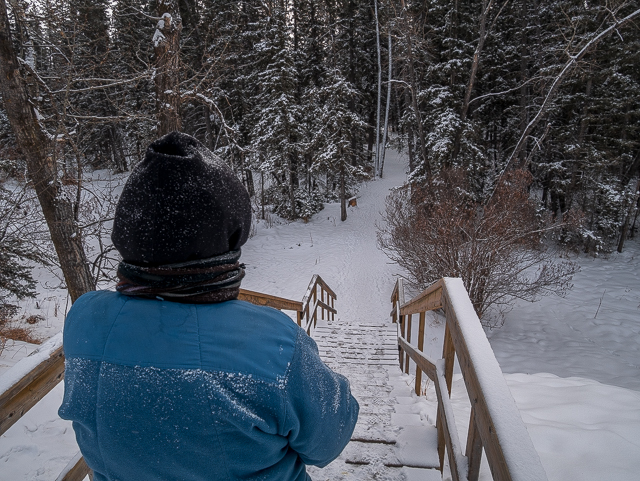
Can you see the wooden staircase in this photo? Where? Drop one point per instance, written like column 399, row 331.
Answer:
column 389, row 442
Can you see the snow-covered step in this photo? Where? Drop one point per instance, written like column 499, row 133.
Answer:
column 389, row 442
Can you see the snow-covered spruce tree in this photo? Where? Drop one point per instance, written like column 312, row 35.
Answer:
column 435, row 59
column 590, row 146
column 18, row 252
column 276, row 135
column 356, row 51
column 331, row 142
column 223, row 86
column 581, row 146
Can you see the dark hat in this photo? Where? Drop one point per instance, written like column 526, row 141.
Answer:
column 181, row 203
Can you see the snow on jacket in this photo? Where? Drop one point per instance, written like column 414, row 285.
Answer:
column 160, row 390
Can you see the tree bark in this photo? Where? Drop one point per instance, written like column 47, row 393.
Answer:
column 414, row 86
column 41, row 168
column 386, row 110
column 464, row 111
column 167, row 76
column 376, row 169
column 343, row 195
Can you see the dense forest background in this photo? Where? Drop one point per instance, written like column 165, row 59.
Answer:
column 301, row 97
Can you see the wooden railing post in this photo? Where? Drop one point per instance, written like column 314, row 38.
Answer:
column 441, row 440
column 474, row 447
column 408, row 338
column 448, row 354
column 418, row 387
column 403, row 327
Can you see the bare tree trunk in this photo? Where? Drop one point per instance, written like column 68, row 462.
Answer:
column 41, row 168
column 410, row 137
column 376, row 169
column 209, row 128
column 386, row 112
column 167, row 76
column 464, row 111
column 262, row 195
column 115, row 140
column 414, row 86
column 524, row 77
column 343, row 195
column 370, row 137
column 292, row 183
column 631, row 214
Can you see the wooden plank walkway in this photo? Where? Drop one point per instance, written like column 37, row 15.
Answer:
column 390, row 442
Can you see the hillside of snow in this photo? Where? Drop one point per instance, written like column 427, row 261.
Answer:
column 573, row 364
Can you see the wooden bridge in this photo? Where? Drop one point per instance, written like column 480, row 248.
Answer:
column 390, row 442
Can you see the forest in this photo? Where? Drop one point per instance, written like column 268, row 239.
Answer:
column 302, row 98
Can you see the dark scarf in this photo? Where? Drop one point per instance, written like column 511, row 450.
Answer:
column 215, row 279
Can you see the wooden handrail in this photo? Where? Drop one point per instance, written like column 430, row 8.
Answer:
column 261, row 299
column 311, row 303
column 31, row 378
column 495, row 424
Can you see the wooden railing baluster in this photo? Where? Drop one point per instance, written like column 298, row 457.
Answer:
column 418, row 387
column 474, row 447
column 407, row 357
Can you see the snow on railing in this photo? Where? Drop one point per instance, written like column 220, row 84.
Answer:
column 33, row 376
column 495, row 424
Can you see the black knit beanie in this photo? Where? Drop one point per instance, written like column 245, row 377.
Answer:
column 181, row 203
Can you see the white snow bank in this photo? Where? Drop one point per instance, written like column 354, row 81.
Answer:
column 583, row 430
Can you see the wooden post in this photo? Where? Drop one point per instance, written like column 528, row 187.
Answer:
column 448, row 354
column 474, row 447
column 441, row 440
column 299, row 317
column 406, row 360
column 333, row 304
column 402, row 329
column 315, row 296
column 418, row 387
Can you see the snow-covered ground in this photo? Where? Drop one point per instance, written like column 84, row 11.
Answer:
column 572, row 364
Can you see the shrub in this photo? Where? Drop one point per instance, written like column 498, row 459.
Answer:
column 498, row 248
column 10, row 330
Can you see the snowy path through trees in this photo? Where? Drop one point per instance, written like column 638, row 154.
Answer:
column 281, row 260
column 390, row 442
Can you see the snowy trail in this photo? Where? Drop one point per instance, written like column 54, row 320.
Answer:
column 391, row 442
column 344, row 254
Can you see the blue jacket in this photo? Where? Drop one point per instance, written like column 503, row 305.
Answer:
column 159, row 390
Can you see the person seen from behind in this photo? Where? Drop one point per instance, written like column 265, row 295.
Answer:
column 171, row 377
